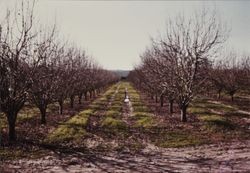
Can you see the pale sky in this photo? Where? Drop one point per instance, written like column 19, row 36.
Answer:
column 115, row 33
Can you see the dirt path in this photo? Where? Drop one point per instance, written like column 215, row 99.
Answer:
column 227, row 157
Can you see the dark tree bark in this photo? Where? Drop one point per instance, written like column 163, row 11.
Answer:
column 11, row 112
column 184, row 113
column 162, row 100
column 152, row 97
column 60, row 106
column 90, row 94
column 80, row 98
column 11, row 116
column 72, row 98
column 86, row 96
column 219, row 94
column 156, row 99
column 232, row 97
column 171, row 103
column 43, row 115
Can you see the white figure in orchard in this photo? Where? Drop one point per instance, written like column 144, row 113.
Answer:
column 126, row 100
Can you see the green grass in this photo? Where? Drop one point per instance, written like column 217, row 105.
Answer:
column 113, row 113
column 201, row 106
column 214, row 115
column 54, row 107
column 141, row 109
column 112, row 116
column 179, row 139
column 26, row 113
column 73, row 129
column 113, row 123
column 16, row 153
column 3, row 121
column 65, row 133
column 217, row 123
column 141, row 113
column 143, row 119
column 115, row 108
column 197, row 110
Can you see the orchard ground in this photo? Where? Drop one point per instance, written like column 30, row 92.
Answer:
column 107, row 135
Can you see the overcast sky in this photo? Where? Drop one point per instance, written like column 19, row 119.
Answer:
column 115, row 33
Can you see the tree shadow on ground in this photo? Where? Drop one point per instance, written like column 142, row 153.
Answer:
column 123, row 161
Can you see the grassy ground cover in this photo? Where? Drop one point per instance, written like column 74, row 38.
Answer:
column 122, row 126
column 75, row 128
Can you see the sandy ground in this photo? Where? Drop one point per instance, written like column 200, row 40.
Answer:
column 224, row 157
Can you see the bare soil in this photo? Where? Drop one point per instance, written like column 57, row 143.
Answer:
column 224, row 157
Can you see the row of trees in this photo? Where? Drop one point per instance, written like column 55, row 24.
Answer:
column 230, row 75
column 180, row 64
column 36, row 67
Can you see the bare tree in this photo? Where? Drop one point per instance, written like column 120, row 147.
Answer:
column 227, row 74
column 181, row 57
column 43, row 86
column 246, row 72
column 15, row 57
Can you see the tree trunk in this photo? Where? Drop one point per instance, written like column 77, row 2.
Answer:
column 11, row 116
column 86, row 96
column 1, row 143
column 60, row 107
column 72, row 101
column 80, row 98
column 171, row 110
column 152, row 97
column 90, row 94
column 156, row 99
column 162, row 100
column 12, row 132
column 43, row 114
column 184, row 114
column 219, row 95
